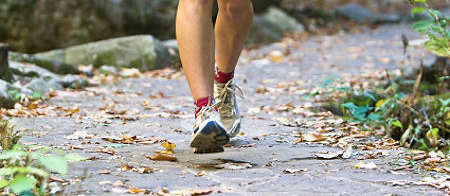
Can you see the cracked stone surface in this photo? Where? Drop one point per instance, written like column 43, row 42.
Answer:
column 255, row 168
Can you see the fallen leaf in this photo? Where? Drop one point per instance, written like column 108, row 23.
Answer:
column 201, row 173
column 104, row 172
column 403, row 167
column 293, row 171
column 136, row 190
column 119, row 183
column 119, row 190
column 169, row 147
column 79, row 135
column 311, row 137
column 347, row 151
column 162, row 157
column 362, row 165
column 329, row 155
column 107, row 150
column 75, row 109
column 130, row 72
column 125, row 167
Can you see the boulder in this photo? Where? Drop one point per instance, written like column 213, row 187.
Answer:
column 356, row 12
column 43, row 85
column 21, row 69
column 55, row 65
column 263, row 31
column 285, row 22
column 59, row 24
column 142, row 51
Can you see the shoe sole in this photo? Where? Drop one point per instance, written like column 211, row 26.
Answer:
column 210, row 139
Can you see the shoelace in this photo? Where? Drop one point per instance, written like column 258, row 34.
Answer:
column 205, row 109
column 224, row 92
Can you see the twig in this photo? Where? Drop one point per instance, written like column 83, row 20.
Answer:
column 422, row 117
column 388, row 76
column 417, row 84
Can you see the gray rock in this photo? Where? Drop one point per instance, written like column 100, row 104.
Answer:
column 263, row 31
column 356, row 12
column 6, row 99
column 388, row 18
column 43, row 85
column 283, row 20
column 142, row 51
column 31, row 70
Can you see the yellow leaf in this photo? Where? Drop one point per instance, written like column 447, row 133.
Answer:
column 136, row 190
column 380, row 103
column 169, row 147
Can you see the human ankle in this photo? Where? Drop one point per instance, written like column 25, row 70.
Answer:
column 222, row 77
column 203, row 102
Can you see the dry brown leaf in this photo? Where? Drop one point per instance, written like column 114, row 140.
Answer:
column 362, row 165
column 162, row 157
column 329, row 155
column 293, row 171
column 136, row 190
column 108, row 150
column 119, row 183
column 125, row 167
column 104, row 172
column 201, row 173
column 75, row 109
column 311, row 137
column 348, row 150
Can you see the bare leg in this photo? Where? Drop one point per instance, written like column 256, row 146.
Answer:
column 195, row 36
column 232, row 25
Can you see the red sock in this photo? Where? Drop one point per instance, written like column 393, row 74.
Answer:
column 203, row 102
column 222, row 77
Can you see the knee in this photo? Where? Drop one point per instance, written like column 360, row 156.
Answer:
column 237, row 9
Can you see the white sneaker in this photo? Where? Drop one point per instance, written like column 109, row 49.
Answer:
column 209, row 133
column 225, row 95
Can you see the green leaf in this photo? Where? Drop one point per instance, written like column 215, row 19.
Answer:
column 358, row 112
column 12, row 154
column 22, row 183
column 406, row 135
column 397, row 123
column 3, row 183
column 7, row 171
column 33, row 170
column 417, row 10
column 438, row 46
column 367, row 94
column 54, row 163
column 74, row 158
column 374, row 116
column 422, row 25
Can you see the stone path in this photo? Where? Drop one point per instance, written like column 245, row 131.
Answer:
column 258, row 161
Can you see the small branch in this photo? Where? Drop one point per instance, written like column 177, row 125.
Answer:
column 417, row 84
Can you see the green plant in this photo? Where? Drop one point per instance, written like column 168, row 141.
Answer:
column 25, row 170
column 402, row 107
column 435, row 27
column 9, row 137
